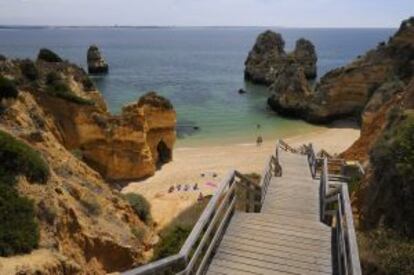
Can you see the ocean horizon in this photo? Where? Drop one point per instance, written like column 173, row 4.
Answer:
column 200, row 69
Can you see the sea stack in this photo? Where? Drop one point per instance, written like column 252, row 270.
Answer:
column 305, row 55
column 96, row 63
column 268, row 58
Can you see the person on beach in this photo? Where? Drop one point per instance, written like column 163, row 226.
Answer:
column 259, row 140
column 200, row 197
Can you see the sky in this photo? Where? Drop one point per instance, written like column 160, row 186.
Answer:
column 282, row 13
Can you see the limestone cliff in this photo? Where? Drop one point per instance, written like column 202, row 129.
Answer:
column 268, row 57
column 85, row 226
column 345, row 92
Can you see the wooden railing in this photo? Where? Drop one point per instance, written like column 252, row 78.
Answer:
column 313, row 161
column 198, row 248
column 336, row 207
column 284, row 146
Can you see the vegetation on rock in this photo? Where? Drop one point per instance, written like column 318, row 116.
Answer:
column 172, row 242
column 62, row 90
column 17, row 158
column 152, row 99
column 7, row 88
column 140, row 205
column 48, row 56
column 392, row 159
column 29, row 69
column 19, row 231
column 385, row 252
column 174, row 235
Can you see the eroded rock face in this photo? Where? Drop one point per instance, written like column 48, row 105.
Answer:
column 125, row 147
column 85, row 226
column 96, row 63
column 264, row 59
column 268, row 57
column 290, row 91
column 305, row 55
column 344, row 92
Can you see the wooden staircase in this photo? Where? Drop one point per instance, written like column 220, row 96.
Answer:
column 297, row 220
column 287, row 236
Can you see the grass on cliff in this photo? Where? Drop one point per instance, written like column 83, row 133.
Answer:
column 392, row 160
column 175, row 234
column 19, row 232
column 62, row 90
column 140, row 205
column 387, row 242
column 17, row 158
column 29, row 69
column 385, row 252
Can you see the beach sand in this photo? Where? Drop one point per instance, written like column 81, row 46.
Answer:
column 215, row 162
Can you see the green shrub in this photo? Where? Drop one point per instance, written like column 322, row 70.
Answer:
column 141, row 206
column 48, row 56
column 88, row 84
column 7, row 88
column 52, row 78
column 63, row 91
column 385, row 252
column 29, row 70
column 175, row 234
column 17, row 158
column 138, row 232
column 19, row 232
column 172, row 242
column 392, row 159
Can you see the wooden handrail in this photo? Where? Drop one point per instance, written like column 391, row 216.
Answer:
column 284, row 146
column 196, row 250
column 347, row 248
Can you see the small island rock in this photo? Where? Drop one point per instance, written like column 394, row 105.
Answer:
column 96, row 63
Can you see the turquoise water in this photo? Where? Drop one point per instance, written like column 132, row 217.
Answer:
column 198, row 69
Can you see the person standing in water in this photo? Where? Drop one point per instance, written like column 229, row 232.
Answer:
column 259, row 140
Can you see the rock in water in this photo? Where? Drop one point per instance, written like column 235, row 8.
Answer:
column 346, row 91
column 268, row 57
column 290, row 91
column 305, row 55
column 265, row 57
column 242, row 91
column 96, row 63
column 48, row 56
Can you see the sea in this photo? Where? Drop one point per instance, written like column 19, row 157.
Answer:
column 200, row 69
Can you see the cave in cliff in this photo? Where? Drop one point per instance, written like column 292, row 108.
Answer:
column 164, row 154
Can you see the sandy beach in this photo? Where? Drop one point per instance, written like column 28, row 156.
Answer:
column 206, row 166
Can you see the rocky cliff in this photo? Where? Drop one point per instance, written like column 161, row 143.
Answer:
column 85, row 227
column 268, row 57
column 383, row 198
column 345, row 92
